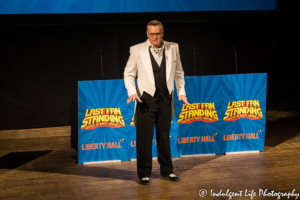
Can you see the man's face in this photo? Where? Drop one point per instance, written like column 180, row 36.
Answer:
column 155, row 35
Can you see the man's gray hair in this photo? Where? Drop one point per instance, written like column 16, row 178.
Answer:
column 155, row 23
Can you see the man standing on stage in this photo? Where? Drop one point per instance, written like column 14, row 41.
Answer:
column 157, row 64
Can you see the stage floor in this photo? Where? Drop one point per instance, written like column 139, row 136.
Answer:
column 39, row 164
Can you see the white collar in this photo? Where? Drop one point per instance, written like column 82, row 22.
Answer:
column 149, row 45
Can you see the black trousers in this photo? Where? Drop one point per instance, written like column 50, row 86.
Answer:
column 153, row 110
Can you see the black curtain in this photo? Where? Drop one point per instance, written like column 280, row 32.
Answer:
column 40, row 67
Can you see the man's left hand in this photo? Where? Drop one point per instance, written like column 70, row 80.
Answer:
column 184, row 99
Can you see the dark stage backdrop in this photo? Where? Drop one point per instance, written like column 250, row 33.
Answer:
column 40, row 65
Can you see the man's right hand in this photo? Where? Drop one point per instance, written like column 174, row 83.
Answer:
column 133, row 98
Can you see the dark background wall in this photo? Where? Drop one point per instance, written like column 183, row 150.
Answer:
column 41, row 61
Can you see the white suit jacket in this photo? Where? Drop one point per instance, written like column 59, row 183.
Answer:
column 139, row 63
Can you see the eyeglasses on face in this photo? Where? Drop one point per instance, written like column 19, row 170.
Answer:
column 155, row 34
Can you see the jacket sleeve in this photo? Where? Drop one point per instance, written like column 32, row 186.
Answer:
column 130, row 74
column 179, row 75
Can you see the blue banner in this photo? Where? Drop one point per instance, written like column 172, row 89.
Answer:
column 227, row 114
column 243, row 112
column 103, row 114
column 129, row 6
column 199, row 125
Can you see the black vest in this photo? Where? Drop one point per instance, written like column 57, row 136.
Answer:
column 160, row 76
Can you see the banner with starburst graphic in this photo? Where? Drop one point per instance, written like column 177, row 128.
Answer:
column 227, row 114
column 103, row 121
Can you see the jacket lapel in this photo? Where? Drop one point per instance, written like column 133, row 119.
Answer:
column 169, row 60
column 145, row 56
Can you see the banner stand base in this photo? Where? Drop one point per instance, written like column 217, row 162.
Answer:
column 241, row 152
column 197, row 155
column 134, row 159
column 101, row 162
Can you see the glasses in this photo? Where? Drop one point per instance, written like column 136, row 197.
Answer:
column 155, row 34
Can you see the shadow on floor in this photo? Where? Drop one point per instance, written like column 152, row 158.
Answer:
column 16, row 159
column 63, row 163
column 281, row 130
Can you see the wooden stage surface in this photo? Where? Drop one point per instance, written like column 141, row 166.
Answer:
column 39, row 164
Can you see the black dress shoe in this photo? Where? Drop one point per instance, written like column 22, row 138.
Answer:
column 172, row 177
column 145, row 180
